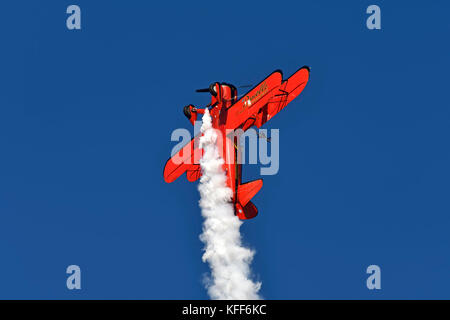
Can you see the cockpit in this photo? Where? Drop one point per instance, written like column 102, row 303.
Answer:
column 222, row 95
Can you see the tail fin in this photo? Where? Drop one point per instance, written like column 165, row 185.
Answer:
column 249, row 211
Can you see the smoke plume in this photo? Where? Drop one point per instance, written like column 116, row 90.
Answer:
column 229, row 261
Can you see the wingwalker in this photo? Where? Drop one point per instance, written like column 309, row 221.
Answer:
column 229, row 114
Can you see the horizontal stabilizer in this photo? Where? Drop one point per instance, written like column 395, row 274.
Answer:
column 246, row 191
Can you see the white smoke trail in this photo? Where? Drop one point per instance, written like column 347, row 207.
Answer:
column 228, row 259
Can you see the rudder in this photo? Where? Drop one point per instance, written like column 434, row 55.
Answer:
column 249, row 211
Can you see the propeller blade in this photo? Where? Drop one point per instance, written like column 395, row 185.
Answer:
column 202, row 90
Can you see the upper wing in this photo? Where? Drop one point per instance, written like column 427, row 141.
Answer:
column 286, row 92
column 248, row 106
column 186, row 159
column 266, row 99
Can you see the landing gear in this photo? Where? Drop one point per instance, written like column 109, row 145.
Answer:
column 187, row 111
column 191, row 113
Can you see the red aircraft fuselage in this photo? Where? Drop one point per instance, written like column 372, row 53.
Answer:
column 223, row 96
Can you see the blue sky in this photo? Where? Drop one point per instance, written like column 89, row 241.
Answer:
column 85, row 124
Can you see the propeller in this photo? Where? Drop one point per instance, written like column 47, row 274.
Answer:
column 211, row 88
column 202, row 90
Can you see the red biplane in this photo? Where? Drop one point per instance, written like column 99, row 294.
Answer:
column 255, row 108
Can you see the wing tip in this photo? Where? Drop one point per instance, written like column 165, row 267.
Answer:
column 279, row 71
column 166, row 174
column 306, row 67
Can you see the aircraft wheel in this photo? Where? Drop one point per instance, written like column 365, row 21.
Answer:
column 187, row 111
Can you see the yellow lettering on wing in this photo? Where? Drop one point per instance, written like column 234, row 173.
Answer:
column 249, row 100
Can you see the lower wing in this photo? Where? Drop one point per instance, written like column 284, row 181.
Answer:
column 185, row 160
